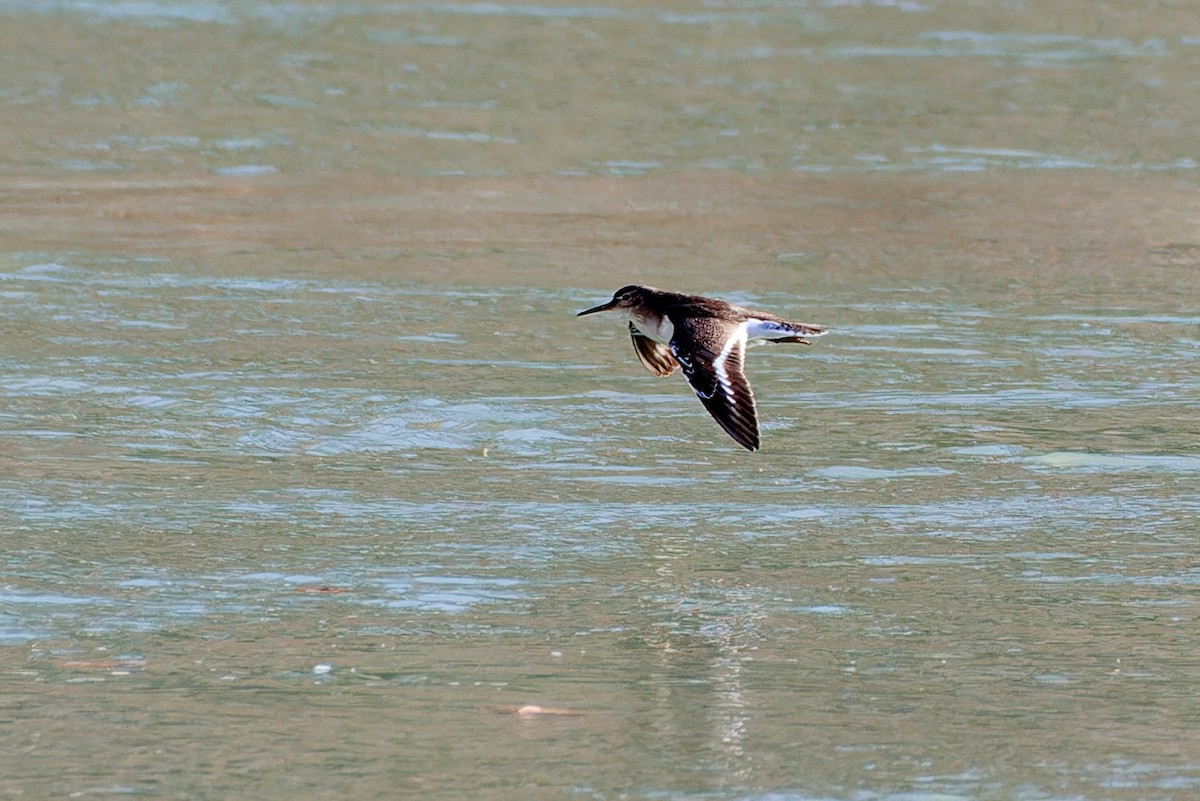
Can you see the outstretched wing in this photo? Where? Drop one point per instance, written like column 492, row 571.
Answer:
column 655, row 355
column 711, row 352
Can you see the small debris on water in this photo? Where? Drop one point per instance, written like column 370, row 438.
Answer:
column 531, row 710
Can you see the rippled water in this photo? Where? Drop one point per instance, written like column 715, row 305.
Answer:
column 315, row 487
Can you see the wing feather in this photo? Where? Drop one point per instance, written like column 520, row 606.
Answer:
column 654, row 355
column 717, row 375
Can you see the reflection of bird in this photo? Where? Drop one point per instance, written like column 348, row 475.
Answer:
column 708, row 339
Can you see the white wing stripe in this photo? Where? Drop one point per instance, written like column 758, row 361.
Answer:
column 736, row 339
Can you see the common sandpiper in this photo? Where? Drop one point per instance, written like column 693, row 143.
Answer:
column 708, row 338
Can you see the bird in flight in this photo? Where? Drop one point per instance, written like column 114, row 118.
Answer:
column 707, row 338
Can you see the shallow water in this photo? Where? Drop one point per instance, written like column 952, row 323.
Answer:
column 314, row 485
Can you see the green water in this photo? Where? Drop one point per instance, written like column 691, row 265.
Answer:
column 312, row 480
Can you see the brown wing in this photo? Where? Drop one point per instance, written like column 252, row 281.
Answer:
column 716, row 375
column 656, row 356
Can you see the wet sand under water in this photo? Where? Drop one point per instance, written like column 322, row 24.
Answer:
column 687, row 229
column 314, row 487
column 264, row 546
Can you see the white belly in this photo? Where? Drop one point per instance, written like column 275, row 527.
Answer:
column 660, row 329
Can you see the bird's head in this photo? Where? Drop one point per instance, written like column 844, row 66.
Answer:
column 627, row 297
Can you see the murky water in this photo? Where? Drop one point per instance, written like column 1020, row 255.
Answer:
column 315, row 487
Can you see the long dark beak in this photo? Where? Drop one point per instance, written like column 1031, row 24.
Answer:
column 600, row 308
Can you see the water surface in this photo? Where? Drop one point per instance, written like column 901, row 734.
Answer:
column 313, row 482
